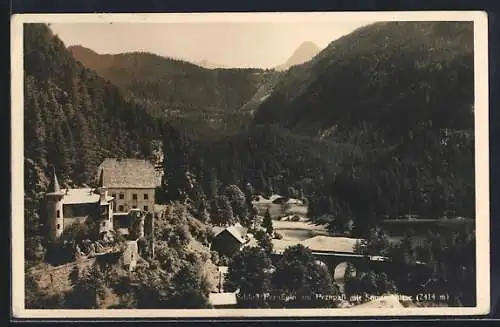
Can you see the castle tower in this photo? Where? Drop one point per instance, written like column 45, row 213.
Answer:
column 54, row 199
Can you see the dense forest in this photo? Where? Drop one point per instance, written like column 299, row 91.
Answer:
column 425, row 175
column 400, row 96
column 412, row 144
column 73, row 120
column 73, row 113
column 396, row 134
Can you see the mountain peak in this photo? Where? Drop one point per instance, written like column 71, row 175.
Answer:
column 307, row 45
column 305, row 51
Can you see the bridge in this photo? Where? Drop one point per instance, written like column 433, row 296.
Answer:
column 333, row 260
column 334, row 251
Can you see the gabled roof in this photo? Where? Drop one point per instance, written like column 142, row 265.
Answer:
column 217, row 230
column 236, row 227
column 128, row 173
column 280, row 246
column 237, row 231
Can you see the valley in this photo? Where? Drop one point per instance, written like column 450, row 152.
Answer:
column 265, row 180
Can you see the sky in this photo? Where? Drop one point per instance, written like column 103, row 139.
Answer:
column 231, row 44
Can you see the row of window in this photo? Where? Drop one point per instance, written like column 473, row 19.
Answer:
column 121, row 196
column 121, row 208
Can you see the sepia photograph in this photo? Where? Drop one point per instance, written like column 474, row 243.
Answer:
column 250, row 165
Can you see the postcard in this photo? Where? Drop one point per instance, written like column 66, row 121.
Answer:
column 250, row 165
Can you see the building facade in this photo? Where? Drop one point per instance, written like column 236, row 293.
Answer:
column 127, row 199
column 131, row 182
column 229, row 241
column 66, row 207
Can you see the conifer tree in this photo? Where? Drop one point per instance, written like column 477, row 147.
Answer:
column 267, row 223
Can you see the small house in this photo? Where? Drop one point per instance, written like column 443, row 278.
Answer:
column 228, row 241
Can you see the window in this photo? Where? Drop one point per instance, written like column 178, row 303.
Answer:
column 134, row 196
column 145, row 208
column 120, row 208
column 103, row 224
column 58, row 213
column 58, row 226
column 146, row 196
column 122, row 196
column 134, row 207
column 113, row 195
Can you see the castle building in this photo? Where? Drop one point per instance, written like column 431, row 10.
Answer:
column 131, row 182
column 66, row 207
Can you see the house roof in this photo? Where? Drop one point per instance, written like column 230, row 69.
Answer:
column 217, row 230
column 216, row 299
column 81, row 196
column 280, row 246
column 236, row 230
column 330, row 244
column 128, row 173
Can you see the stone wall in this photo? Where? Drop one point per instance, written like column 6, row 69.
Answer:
column 57, row 278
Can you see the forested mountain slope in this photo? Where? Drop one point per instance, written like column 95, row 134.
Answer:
column 73, row 117
column 178, row 85
column 390, row 75
column 196, row 96
column 389, row 111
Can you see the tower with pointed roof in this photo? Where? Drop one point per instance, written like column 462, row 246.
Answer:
column 54, row 198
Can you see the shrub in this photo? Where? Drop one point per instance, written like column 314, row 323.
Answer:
column 215, row 257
